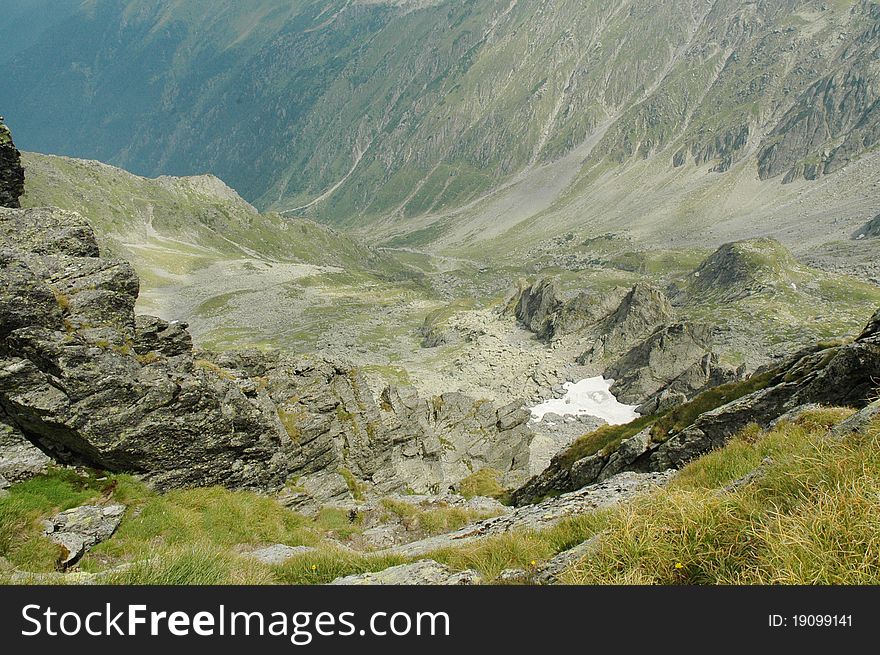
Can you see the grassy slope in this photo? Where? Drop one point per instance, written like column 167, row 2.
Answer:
column 207, row 257
column 811, row 518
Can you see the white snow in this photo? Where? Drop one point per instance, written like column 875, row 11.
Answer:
column 591, row 397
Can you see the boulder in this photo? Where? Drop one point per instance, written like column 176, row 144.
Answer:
column 78, row 529
column 277, row 554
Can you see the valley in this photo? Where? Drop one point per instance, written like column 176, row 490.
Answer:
column 432, row 292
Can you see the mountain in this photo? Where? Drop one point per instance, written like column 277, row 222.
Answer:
column 549, row 114
column 207, row 257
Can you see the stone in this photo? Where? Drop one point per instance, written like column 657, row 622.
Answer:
column 423, row 572
column 277, row 554
column 20, row 460
column 78, row 529
column 11, row 171
column 858, row 422
column 549, row 572
column 639, row 314
column 750, row 477
column 674, row 362
column 514, row 576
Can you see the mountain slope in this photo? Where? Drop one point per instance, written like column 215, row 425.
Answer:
column 348, row 110
column 207, row 257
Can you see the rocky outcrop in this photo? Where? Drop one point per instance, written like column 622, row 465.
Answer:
column 591, row 498
column 671, row 366
column 871, row 230
column 11, row 171
column 88, row 382
column 741, row 269
column 76, row 379
column 642, row 311
column 535, row 306
column 78, row 529
column 725, row 148
column 438, row 442
column 423, row 572
column 551, row 313
column 844, row 375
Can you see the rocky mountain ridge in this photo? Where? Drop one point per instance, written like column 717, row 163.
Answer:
column 411, row 110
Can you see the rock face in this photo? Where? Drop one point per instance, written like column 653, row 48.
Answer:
column 20, row 460
column 76, row 378
column 673, row 364
column 544, row 309
column 90, row 383
column 843, row 375
column 642, row 310
column 871, row 230
column 11, row 171
column 536, row 306
column 77, row 530
column 834, row 120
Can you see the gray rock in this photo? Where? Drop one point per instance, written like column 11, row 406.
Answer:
column 78, row 529
column 536, row 305
column 424, row 572
column 628, row 452
column 549, row 572
column 750, row 477
column 11, row 171
column 639, row 314
column 277, row 554
column 515, row 576
column 858, row 422
column 674, row 362
column 20, row 460
column 586, row 471
column 617, row 490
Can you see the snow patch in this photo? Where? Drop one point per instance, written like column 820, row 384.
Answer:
column 590, row 397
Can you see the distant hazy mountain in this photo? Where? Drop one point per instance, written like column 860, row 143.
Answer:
column 348, row 110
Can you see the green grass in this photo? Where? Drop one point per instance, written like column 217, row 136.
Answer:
column 434, row 520
column 485, row 482
column 604, row 440
column 354, row 486
column 684, row 415
column 21, row 535
column 812, row 519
